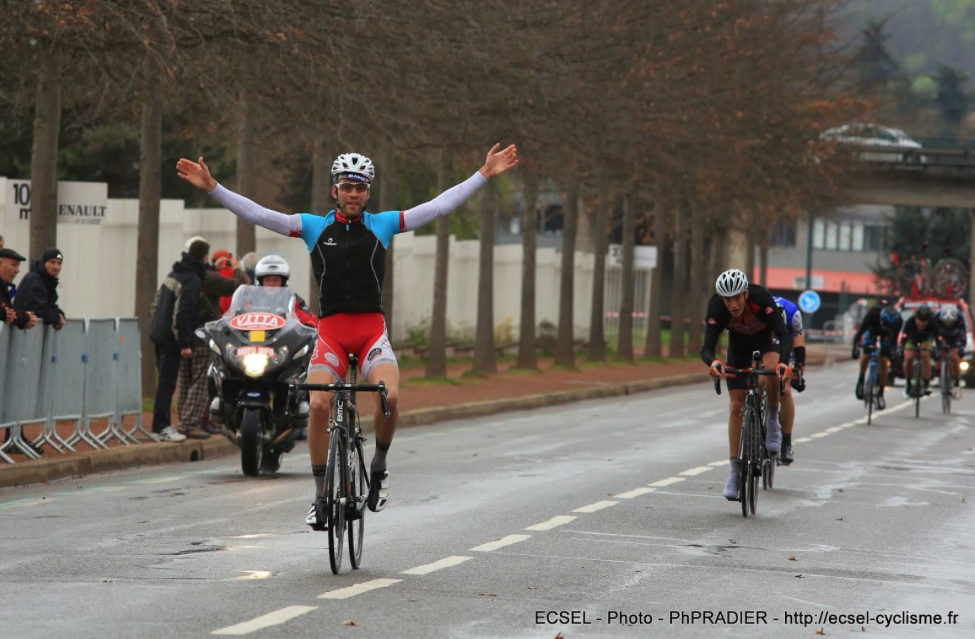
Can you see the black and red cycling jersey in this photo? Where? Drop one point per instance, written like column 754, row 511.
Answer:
column 761, row 314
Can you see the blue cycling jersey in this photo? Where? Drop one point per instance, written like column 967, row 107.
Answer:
column 793, row 318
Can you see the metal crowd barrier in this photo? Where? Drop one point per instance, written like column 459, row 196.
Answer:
column 88, row 370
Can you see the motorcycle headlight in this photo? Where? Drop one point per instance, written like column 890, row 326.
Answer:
column 255, row 364
column 965, row 366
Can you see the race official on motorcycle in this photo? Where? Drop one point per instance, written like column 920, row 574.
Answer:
column 274, row 271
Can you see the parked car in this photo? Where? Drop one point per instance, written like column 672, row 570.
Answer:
column 902, row 148
column 907, row 308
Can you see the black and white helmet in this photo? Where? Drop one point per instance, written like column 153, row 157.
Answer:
column 731, row 283
column 272, row 265
column 353, row 166
column 948, row 315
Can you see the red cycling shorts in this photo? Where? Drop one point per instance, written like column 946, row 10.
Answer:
column 360, row 334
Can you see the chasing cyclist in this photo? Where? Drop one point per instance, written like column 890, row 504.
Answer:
column 348, row 255
column 882, row 324
column 919, row 331
column 797, row 362
column 752, row 319
column 951, row 341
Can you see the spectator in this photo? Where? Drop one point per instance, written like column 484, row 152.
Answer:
column 173, row 321
column 12, row 288
column 250, row 263
column 9, row 267
column 223, row 265
column 39, row 289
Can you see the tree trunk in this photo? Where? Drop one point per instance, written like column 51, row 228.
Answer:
column 698, row 264
column 484, row 356
column 564, row 351
column 44, row 154
column 147, row 247
column 971, row 262
column 321, row 200
column 527, row 357
column 625, row 348
column 437, row 357
column 247, row 176
column 387, row 199
column 679, row 284
column 599, row 241
column 651, row 347
column 750, row 254
column 763, row 259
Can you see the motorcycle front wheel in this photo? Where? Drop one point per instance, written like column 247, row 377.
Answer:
column 251, row 442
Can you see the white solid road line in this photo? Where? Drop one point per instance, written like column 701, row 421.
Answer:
column 695, row 471
column 437, row 565
column 599, row 505
column 634, row 493
column 666, row 482
column 265, row 621
column 554, row 522
column 500, row 543
column 358, row 589
column 722, row 462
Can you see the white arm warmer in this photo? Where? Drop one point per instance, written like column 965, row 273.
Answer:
column 444, row 203
column 280, row 223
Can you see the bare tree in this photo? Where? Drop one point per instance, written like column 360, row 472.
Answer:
column 150, row 188
column 44, row 154
column 651, row 346
column 484, row 356
column 387, row 202
column 321, row 196
column 564, row 350
column 698, row 264
column 527, row 357
column 437, row 357
column 599, row 241
column 625, row 348
column 678, row 283
column 247, row 174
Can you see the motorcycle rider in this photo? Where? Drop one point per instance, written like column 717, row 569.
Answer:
column 274, row 271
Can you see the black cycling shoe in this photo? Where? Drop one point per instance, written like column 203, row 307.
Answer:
column 316, row 515
column 378, row 491
column 859, row 389
column 785, row 457
column 881, row 402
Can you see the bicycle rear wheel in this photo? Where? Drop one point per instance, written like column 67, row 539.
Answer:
column 357, row 508
column 335, row 492
column 749, row 439
column 868, row 397
column 918, row 388
column 946, row 389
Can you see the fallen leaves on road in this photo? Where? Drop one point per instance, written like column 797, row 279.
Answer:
column 559, row 636
column 792, row 558
column 350, row 622
column 799, row 576
column 820, row 632
column 485, row 594
column 840, row 518
column 108, row 581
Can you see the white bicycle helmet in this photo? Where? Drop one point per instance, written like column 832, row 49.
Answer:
column 731, row 283
column 353, row 166
column 949, row 315
column 272, row 265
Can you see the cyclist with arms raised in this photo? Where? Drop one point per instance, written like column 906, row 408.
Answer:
column 797, row 362
column 882, row 324
column 951, row 340
column 348, row 250
column 752, row 319
column 918, row 331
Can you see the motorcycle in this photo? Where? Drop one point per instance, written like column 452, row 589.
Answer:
column 259, row 348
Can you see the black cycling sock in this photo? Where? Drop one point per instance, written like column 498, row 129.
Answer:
column 786, row 439
column 379, row 459
column 319, row 471
column 860, row 378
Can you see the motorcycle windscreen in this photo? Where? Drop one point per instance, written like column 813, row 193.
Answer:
column 259, row 309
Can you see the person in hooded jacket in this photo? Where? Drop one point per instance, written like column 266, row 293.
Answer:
column 171, row 331
column 38, row 291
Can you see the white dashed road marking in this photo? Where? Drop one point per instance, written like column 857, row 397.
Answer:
column 666, row 482
column 634, row 493
column 266, row 621
column 695, row 471
column 437, row 565
column 358, row 589
column 554, row 522
column 599, row 505
column 501, row 543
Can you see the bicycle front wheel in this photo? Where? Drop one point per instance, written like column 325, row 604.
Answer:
column 945, row 387
column 869, row 399
column 335, row 494
column 358, row 492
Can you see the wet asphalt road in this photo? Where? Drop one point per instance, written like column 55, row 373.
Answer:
column 528, row 525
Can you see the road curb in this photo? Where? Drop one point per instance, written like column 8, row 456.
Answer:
column 154, row 454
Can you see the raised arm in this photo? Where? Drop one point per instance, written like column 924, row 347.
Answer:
column 198, row 174
column 497, row 162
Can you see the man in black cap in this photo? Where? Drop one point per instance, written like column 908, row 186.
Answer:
column 9, row 267
column 171, row 331
column 38, row 292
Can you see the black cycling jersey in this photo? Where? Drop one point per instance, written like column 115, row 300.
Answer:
column 761, row 314
column 953, row 335
column 915, row 335
column 878, row 328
